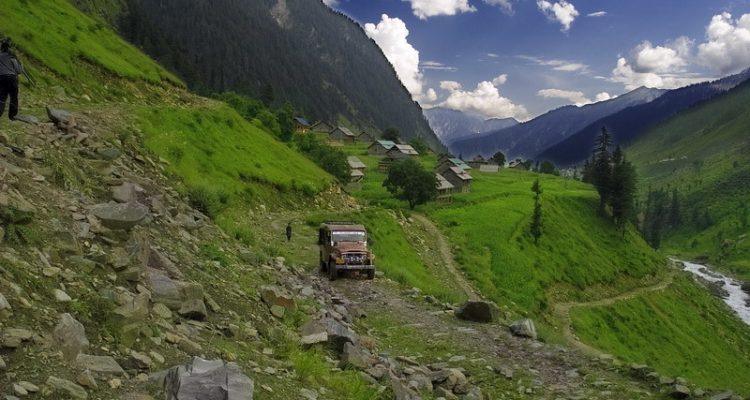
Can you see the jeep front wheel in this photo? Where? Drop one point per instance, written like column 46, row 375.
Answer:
column 371, row 274
column 333, row 273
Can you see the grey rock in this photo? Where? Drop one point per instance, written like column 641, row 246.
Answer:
column 475, row 393
column 161, row 311
column 338, row 334
column 722, row 396
column 61, row 296
column 313, row 332
column 680, row 392
column 477, row 311
column 66, row 387
column 355, row 356
column 86, row 379
column 103, row 365
column 61, row 118
column 120, row 216
column 140, row 361
column 13, row 337
column 135, row 309
column 163, row 289
column 207, row 380
column 276, row 296
column 125, row 193
column 194, row 309
column 524, row 328
column 400, row 390
column 29, row 119
column 4, row 305
column 70, row 336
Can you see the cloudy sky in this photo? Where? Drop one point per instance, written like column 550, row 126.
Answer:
column 521, row 58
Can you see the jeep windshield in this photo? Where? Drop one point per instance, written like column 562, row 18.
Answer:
column 349, row 236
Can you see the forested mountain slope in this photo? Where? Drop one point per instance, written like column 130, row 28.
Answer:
column 296, row 50
column 704, row 155
column 630, row 123
column 532, row 137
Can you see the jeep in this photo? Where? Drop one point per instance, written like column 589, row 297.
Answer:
column 343, row 247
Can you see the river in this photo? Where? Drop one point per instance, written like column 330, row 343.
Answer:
column 737, row 299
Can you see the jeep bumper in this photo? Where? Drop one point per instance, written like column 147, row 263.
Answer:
column 348, row 267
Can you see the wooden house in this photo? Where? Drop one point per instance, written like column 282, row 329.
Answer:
column 444, row 188
column 342, row 135
column 489, row 168
column 357, row 168
column 365, row 137
column 517, row 164
column 444, row 162
column 380, row 147
column 477, row 162
column 321, row 127
column 385, row 164
column 301, row 125
column 401, row 151
column 460, row 179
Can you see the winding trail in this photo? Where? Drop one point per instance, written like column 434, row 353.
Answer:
column 561, row 311
column 446, row 256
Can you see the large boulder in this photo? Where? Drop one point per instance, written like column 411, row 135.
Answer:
column 61, row 118
column 202, row 379
column 477, row 311
column 15, row 209
column 680, row 392
column 524, row 328
column 313, row 332
column 70, row 336
column 66, row 388
column 276, row 296
column 120, row 216
column 103, row 365
column 355, row 356
column 163, row 289
column 338, row 334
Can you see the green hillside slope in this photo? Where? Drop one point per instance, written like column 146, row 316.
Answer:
column 704, row 153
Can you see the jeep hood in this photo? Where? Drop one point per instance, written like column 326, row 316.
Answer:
column 346, row 247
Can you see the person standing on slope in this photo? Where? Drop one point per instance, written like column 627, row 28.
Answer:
column 10, row 68
column 289, row 232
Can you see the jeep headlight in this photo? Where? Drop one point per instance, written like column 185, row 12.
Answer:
column 340, row 260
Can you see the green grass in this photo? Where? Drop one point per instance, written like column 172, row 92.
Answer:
column 705, row 154
column 580, row 255
column 395, row 255
column 226, row 163
column 682, row 331
column 63, row 39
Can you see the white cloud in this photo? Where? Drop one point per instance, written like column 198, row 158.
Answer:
column 727, row 48
column 670, row 58
column 558, row 65
column 603, row 96
column 391, row 35
column 493, row 55
column 505, row 5
column 450, row 85
column 574, row 97
column 331, row 3
column 485, row 100
column 597, row 14
column 561, row 11
column 632, row 79
column 500, row 80
column 424, row 9
column 437, row 65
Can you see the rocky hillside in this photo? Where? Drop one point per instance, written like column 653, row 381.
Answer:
column 295, row 50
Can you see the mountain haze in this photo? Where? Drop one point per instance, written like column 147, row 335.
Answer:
column 318, row 59
column 450, row 125
column 530, row 138
column 630, row 123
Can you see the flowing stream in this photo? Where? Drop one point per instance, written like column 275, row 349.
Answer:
column 731, row 289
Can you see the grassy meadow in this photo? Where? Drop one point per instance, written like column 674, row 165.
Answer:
column 683, row 331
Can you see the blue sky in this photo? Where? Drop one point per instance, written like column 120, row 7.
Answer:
column 521, row 58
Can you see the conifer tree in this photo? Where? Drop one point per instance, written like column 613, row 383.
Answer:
column 602, row 169
column 622, row 188
column 536, row 218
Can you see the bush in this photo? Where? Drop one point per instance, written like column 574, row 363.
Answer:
column 205, row 201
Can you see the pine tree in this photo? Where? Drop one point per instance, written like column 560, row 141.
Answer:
column 622, row 188
column 536, row 218
column 602, row 169
column 675, row 213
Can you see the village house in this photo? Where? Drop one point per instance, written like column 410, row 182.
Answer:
column 321, row 127
column 459, row 178
column 301, row 125
column 489, row 168
column 444, row 188
column 380, row 147
column 342, row 135
column 357, row 168
column 401, row 151
column 444, row 162
column 385, row 164
column 365, row 137
column 477, row 162
column 517, row 164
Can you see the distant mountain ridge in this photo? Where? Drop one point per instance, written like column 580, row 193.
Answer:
column 315, row 57
column 532, row 137
column 450, row 125
column 628, row 124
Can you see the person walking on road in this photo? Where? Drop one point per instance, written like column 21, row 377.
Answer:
column 10, row 68
column 289, row 232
